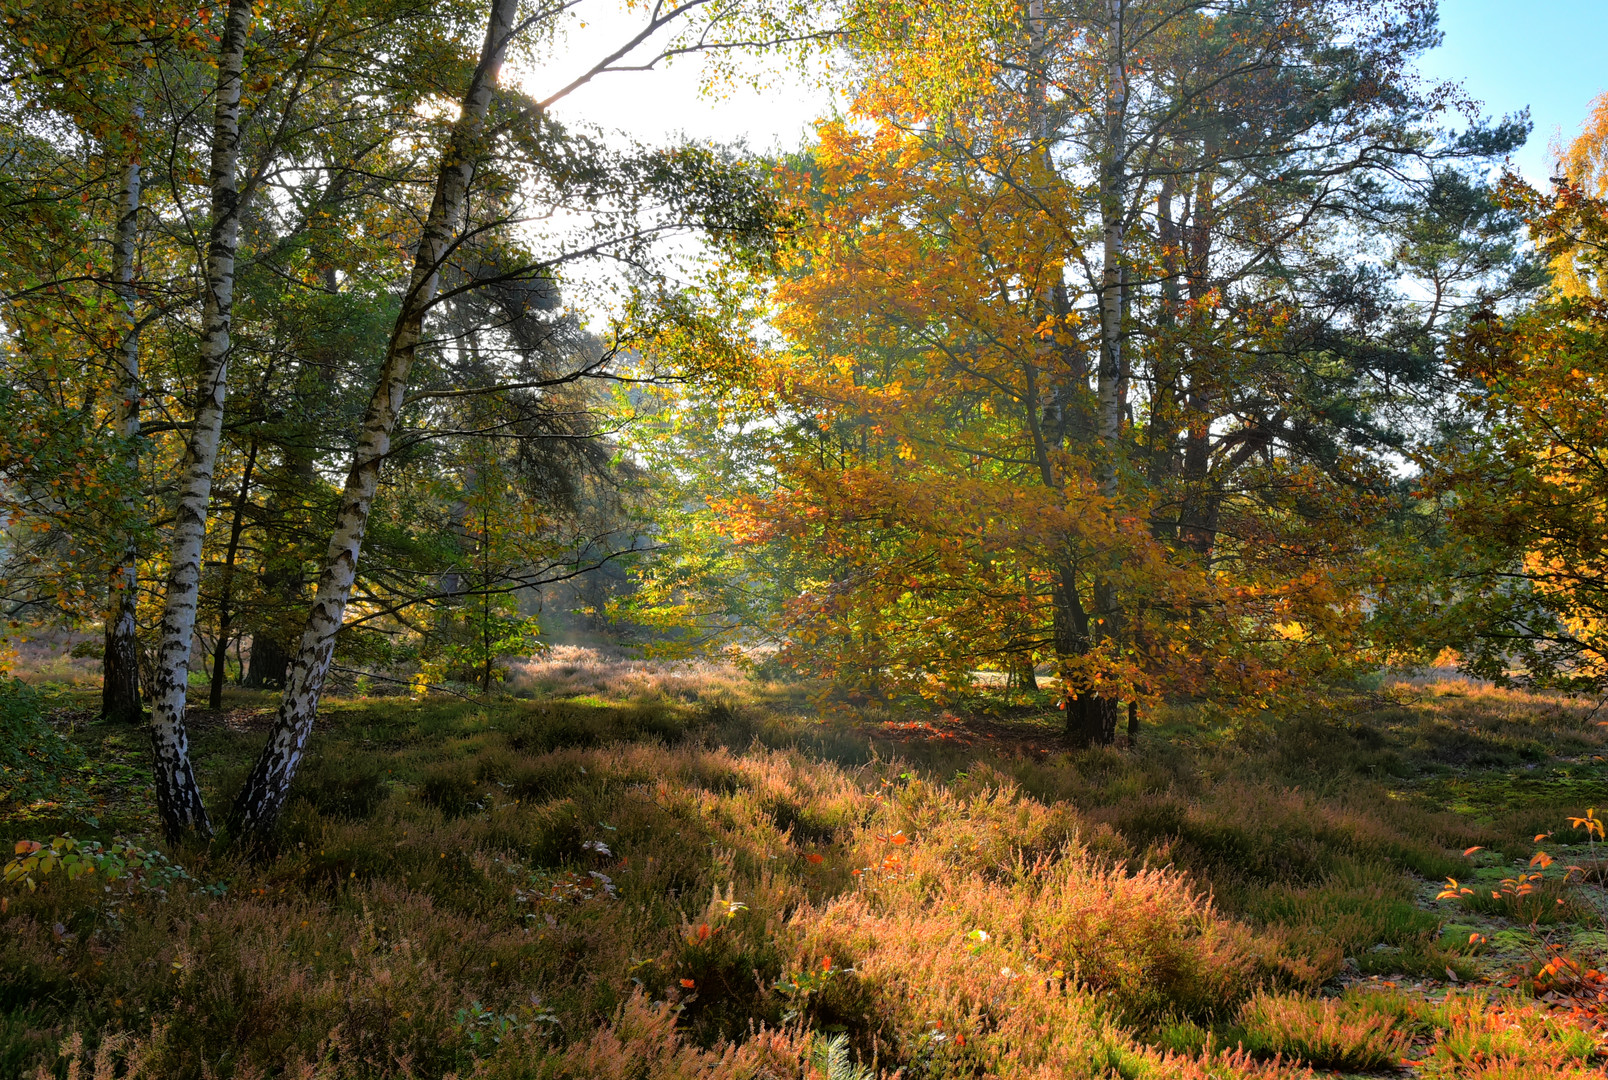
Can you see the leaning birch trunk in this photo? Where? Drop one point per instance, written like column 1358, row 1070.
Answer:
column 178, row 799
column 120, row 661
column 258, row 806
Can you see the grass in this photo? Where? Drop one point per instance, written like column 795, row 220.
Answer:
column 640, row 873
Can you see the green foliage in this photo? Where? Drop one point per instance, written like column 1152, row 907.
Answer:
column 139, row 867
column 36, row 761
column 831, row 1060
column 1519, row 586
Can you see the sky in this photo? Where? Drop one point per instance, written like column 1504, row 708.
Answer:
column 656, row 105
column 1549, row 55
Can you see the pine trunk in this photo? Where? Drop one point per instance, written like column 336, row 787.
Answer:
column 178, row 798
column 263, row 797
column 120, row 660
column 268, row 663
column 1091, row 719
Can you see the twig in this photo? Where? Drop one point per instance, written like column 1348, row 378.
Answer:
column 404, row 682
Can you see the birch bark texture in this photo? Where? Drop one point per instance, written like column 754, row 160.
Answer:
column 257, row 808
column 120, row 659
column 178, row 798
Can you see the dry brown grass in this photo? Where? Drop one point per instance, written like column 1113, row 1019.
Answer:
column 576, row 670
column 45, row 656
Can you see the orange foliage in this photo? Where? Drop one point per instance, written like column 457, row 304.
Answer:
column 933, row 522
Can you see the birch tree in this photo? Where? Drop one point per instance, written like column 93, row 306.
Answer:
column 258, row 805
column 84, row 76
column 178, row 796
column 259, row 802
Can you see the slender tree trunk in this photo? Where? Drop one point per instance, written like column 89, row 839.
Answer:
column 263, row 797
column 1113, row 216
column 178, row 798
column 120, row 660
column 220, row 651
column 284, row 579
column 485, row 599
column 1091, row 718
column 1160, row 431
column 1197, row 517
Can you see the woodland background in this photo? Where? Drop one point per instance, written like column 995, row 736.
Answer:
column 1095, row 418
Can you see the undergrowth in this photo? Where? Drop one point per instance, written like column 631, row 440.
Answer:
column 729, row 887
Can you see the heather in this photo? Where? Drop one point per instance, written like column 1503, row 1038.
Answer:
column 746, row 879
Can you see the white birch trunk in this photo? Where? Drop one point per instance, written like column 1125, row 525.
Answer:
column 120, row 660
column 177, row 795
column 261, row 800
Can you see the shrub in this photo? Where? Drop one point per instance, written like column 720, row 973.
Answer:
column 1491, row 1039
column 117, row 1056
column 346, row 786
column 1326, row 1033
column 34, row 758
column 448, row 787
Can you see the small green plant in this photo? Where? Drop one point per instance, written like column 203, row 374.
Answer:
column 799, row 987
column 831, row 1060
column 142, row 868
column 485, row 1027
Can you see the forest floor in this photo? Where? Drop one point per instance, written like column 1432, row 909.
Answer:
column 645, row 871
